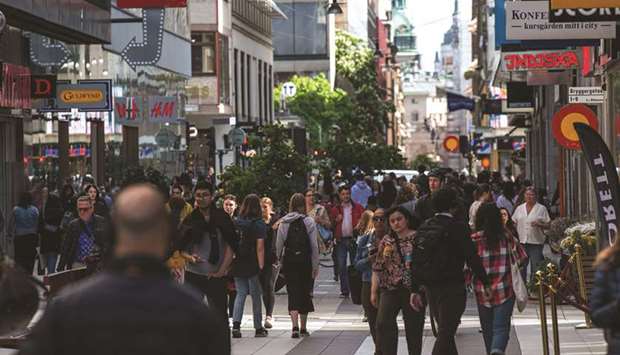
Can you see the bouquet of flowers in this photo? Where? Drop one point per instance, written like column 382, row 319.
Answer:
column 584, row 234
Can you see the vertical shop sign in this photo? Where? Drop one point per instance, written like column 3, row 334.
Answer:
column 605, row 180
column 14, row 86
column 128, row 110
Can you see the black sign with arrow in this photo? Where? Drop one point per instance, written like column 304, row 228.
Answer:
column 45, row 53
column 147, row 52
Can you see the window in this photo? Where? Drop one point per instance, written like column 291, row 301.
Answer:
column 305, row 30
column 242, row 88
column 249, row 88
column 415, row 116
column 203, row 53
column 224, row 70
column 260, row 92
column 236, row 83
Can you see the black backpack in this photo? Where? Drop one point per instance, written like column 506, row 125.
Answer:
column 428, row 259
column 247, row 242
column 297, row 245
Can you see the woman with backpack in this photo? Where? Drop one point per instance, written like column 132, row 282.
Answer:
column 298, row 251
column 605, row 299
column 497, row 248
column 249, row 261
column 391, row 284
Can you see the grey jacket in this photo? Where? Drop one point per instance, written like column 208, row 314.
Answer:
column 313, row 234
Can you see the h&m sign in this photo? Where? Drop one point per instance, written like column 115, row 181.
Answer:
column 155, row 109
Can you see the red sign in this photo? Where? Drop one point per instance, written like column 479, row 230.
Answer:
column 540, row 60
column 562, row 124
column 15, row 86
column 451, row 144
column 43, row 86
column 146, row 4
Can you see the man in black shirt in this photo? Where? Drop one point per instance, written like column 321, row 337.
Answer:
column 445, row 288
column 424, row 207
column 134, row 307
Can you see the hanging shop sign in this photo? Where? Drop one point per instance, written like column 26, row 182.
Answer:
column 14, row 86
column 563, row 121
column 529, row 20
column 451, row 144
column 147, row 52
column 605, row 181
column 585, row 15
column 48, row 53
column 539, row 60
column 237, row 136
column 163, row 109
column 43, row 86
column 144, row 4
column 128, row 110
column 132, row 110
column 586, row 95
column 583, row 4
column 85, row 96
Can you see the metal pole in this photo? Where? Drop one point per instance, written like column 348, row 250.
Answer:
column 582, row 283
column 543, row 312
column 331, row 28
column 554, row 311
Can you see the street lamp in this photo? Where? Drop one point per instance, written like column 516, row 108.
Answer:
column 334, row 8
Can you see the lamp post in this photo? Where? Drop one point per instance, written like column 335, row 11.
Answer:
column 333, row 9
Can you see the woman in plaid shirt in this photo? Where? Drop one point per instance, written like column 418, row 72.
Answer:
column 496, row 246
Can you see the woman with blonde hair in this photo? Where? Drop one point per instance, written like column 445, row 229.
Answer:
column 605, row 299
column 298, row 252
column 268, row 274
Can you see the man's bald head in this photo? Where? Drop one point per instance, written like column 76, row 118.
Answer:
column 140, row 217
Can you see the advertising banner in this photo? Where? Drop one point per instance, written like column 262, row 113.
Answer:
column 86, row 96
column 539, row 60
column 605, row 180
column 583, row 4
column 529, row 20
column 585, row 15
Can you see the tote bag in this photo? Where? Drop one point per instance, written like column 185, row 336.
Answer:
column 518, row 285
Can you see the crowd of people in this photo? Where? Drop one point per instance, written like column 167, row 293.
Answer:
column 415, row 244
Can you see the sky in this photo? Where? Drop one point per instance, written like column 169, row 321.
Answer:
column 430, row 27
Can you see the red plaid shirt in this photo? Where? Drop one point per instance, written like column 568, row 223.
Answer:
column 496, row 262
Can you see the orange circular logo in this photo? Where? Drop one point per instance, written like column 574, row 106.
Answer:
column 562, row 124
column 485, row 162
column 451, row 144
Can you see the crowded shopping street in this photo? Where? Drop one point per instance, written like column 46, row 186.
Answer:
column 362, row 177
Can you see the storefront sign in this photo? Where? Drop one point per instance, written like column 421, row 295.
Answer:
column 144, row 4
column 14, row 86
column 43, row 86
column 563, row 121
column 128, row 110
column 156, row 109
column 583, row 4
column 586, row 95
column 584, row 15
column 147, row 52
column 46, row 53
column 539, row 60
column 529, row 20
column 451, row 144
column 605, row 181
column 163, row 109
column 86, row 96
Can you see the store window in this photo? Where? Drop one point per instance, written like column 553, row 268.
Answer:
column 304, row 32
column 203, row 53
column 224, row 66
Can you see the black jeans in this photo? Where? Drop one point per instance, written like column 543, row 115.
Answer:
column 268, row 280
column 390, row 304
column 26, row 251
column 371, row 313
column 448, row 306
column 215, row 291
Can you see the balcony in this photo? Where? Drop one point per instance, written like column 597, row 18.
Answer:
column 255, row 13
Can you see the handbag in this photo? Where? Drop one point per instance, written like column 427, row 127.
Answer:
column 518, row 285
column 325, row 233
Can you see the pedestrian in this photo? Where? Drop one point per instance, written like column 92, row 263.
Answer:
column 101, row 209
column 505, row 200
column 179, row 209
column 50, row 229
column 367, row 246
column 298, row 253
column 422, row 180
column 605, row 298
column 248, row 263
column 230, row 205
column 360, row 192
column 530, row 218
column 86, row 238
column 320, row 215
column 443, row 246
column 407, row 197
column 391, row 285
column 210, row 237
column 270, row 271
column 498, row 249
column 508, row 223
column 133, row 307
column 22, row 228
column 388, row 193
column 482, row 195
column 424, row 207
column 345, row 216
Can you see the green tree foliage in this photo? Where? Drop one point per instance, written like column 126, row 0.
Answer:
column 277, row 172
column 422, row 159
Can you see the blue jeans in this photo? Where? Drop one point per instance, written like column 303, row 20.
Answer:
column 495, row 323
column 51, row 259
column 248, row 286
column 343, row 248
column 535, row 255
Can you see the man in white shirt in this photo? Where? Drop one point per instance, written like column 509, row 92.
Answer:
column 530, row 218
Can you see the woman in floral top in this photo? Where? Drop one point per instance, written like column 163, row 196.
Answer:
column 391, row 283
column 496, row 246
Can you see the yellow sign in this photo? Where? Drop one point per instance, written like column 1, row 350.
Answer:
column 81, row 96
column 583, row 4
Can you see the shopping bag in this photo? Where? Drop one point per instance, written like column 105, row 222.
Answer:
column 355, row 285
column 518, row 285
